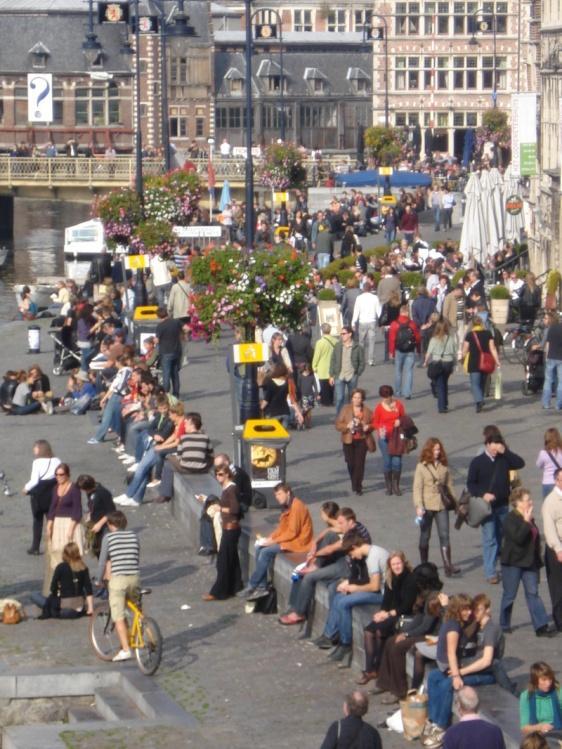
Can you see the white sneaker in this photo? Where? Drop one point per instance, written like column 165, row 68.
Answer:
column 128, row 460
column 119, row 449
column 129, row 502
column 132, row 468
column 124, row 456
column 152, row 484
column 121, row 499
column 122, row 655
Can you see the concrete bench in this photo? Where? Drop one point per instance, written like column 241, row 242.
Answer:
column 497, row 705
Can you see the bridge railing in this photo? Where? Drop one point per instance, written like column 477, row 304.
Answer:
column 61, row 170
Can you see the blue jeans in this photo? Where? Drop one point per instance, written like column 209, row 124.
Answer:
column 322, row 259
column 492, row 529
column 511, row 577
column 161, row 293
column 265, row 556
column 111, row 418
column 30, row 408
column 142, row 444
column 389, row 462
column 442, row 390
column 477, row 384
column 546, row 489
column 137, row 487
column 440, row 693
column 171, row 373
column 552, row 374
column 404, row 373
column 437, row 218
column 390, row 235
column 341, row 609
column 340, row 387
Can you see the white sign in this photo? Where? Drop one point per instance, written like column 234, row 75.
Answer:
column 197, row 231
column 39, row 97
column 240, row 151
column 523, row 135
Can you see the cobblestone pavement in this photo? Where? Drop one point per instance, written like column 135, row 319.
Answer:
column 249, row 680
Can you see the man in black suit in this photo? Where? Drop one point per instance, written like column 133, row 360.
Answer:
column 488, row 477
column 352, row 731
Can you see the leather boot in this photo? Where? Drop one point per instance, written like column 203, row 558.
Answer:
column 388, row 483
column 396, row 483
column 424, row 554
column 450, row 569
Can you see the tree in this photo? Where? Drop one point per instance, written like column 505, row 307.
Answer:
column 384, row 144
column 495, row 129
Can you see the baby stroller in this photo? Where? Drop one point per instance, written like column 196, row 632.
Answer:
column 66, row 355
column 534, row 372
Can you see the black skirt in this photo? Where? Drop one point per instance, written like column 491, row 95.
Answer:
column 229, row 574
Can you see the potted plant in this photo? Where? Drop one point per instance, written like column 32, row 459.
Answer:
column 552, row 287
column 499, row 296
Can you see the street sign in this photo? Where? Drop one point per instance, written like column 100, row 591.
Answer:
column 197, row 231
column 250, row 353
column 386, row 171
column 387, row 200
column 514, row 205
column 136, row 262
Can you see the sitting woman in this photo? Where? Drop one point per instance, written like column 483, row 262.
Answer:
column 476, row 668
column 540, row 705
column 27, row 309
column 70, row 593
column 400, row 593
column 40, row 389
column 22, row 404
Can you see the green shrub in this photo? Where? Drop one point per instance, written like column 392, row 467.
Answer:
column 326, row 295
column 552, row 282
column 341, row 263
column 411, row 279
column 457, row 278
column 380, row 251
column 499, row 292
column 345, row 275
column 521, row 273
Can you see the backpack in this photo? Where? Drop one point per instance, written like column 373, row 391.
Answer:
column 405, row 338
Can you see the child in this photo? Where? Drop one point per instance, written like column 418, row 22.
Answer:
column 308, row 390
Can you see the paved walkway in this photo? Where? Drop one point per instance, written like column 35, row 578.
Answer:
column 248, row 679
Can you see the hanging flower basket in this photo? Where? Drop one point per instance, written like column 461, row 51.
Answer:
column 281, row 167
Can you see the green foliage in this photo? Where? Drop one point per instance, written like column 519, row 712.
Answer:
column 326, row 295
column 553, row 281
column 379, row 252
column 457, row 278
column 153, row 236
column 499, row 292
column 494, row 120
column 411, row 279
column 384, row 144
column 344, row 276
column 281, row 167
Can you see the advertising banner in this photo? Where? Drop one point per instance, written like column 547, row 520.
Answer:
column 524, row 135
column 39, row 97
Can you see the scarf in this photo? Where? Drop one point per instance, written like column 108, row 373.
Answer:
column 556, row 712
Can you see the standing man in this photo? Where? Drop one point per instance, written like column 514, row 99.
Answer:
column 388, row 285
column 169, row 334
column 403, row 342
column 552, row 522
column 453, row 313
column 352, row 730
column 161, row 278
column 448, row 204
column 488, row 477
column 323, row 244
column 321, row 359
column 553, row 353
column 366, row 313
column 121, row 548
column 472, row 730
column 346, row 366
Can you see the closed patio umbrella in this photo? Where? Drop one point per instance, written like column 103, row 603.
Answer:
column 474, row 241
column 225, row 195
column 498, row 202
column 488, row 210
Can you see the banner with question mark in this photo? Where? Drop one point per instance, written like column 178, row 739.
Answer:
column 39, row 97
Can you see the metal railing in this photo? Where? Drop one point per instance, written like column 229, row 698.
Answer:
column 58, row 171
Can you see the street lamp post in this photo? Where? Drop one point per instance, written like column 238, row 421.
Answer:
column 249, row 128
column 91, row 46
column 381, row 35
column 138, row 133
column 483, row 26
column 266, row 31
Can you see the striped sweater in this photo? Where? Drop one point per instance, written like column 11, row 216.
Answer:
column 195, row 452
column 122, row 549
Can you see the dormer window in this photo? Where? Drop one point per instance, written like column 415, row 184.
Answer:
column 359, row 80
column 234, row 81
column 316, row 81
column 269, row 74
column 39, row 56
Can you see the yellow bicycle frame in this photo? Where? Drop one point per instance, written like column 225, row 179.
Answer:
column 136, row 639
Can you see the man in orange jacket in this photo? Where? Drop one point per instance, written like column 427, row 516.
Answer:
column 293, row 533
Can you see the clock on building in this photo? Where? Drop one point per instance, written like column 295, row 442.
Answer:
column 266, row 31
column 113, row 12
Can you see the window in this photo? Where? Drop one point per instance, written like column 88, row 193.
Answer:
column 407, row 19
column 318, row 115
column 471, row 119
column 362, row 18
column 98, row 105
column 199, row 127
column 488, row 72
column 234, row 118
column 400, row 119
column 407, row 73
column 413, row 119
column 236, row 86
column 429, row 19
column 426, row 119
column 336, row 21
column 302, row 20
column 464, row 73
column 442, row 119
column 442, row 18
column 220, row 118
column 178, row 70
column 178, row 127
column 443, row 73
column 428, row 72
column 458, row 119
column 271, row 117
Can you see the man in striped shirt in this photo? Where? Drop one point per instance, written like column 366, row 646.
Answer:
column 121, row 549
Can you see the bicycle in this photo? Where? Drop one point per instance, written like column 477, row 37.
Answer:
column 145, row 637
column 518, row 340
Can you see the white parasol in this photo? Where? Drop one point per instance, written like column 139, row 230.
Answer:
column 474, row 241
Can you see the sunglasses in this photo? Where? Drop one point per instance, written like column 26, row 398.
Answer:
column 61, row 473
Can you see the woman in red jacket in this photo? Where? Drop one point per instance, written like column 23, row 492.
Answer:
column 386, row 417
column 409, row 223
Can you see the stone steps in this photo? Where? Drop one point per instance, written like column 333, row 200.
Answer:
column 113, row 704
column 83, row 715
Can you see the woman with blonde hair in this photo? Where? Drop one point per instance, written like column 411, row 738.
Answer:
column 550, row 459
column 540, row 705
column 70, row 587
column 400, row 594
column 432, row 482
column 40, row 489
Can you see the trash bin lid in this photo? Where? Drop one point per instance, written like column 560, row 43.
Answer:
column 264, row 429
column 145, row 313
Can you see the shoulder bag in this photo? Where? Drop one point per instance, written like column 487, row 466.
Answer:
column 478, row 510
column 436, row 367
column 486, row 362
column 449, row 502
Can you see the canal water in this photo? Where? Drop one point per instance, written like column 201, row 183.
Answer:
column 37, row 246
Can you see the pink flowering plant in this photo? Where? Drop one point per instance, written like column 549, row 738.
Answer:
column 281, row 167
column 120, row 211
column 244, row 290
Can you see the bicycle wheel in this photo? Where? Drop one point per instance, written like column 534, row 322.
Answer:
column 103, row 634
column 150, row 654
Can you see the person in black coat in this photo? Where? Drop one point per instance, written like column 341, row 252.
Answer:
column 352, row 731
column 400, row 594
column 521, row 561
column 100, row 504
column 488, row 477
column 240, row 478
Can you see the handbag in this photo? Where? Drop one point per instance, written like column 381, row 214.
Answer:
column 478, row 511
column 486, row 362
column 267, row 604
column 436, row 367
column 11, row 614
